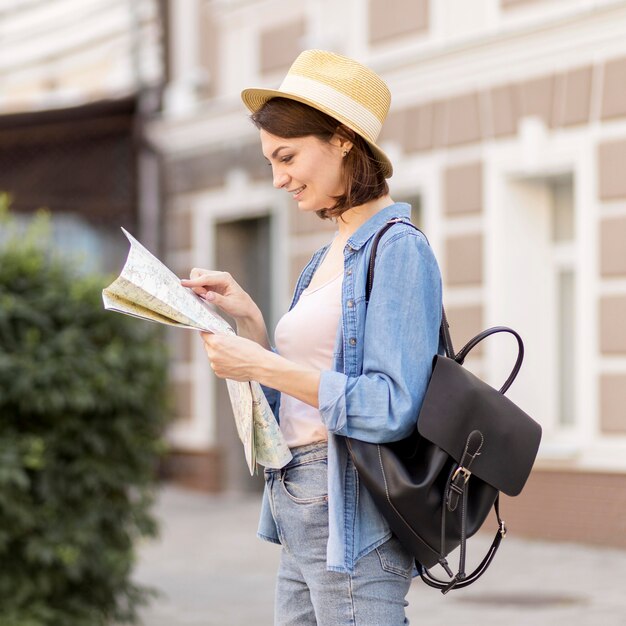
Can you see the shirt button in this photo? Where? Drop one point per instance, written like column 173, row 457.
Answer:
column 352, row 341
column 349, row 272
column 350, row 303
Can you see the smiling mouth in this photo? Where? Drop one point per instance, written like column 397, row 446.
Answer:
column 297, row 191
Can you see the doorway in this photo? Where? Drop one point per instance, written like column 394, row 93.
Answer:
column 242, row 247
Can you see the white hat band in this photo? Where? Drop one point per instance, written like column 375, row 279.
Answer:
column 334, row 100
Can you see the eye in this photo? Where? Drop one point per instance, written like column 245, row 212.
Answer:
column 286, row 159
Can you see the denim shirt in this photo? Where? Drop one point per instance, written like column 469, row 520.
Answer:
column 381, row 367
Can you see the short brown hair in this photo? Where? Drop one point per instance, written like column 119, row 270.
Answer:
column 363, row 176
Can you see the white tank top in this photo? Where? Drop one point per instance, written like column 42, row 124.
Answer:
column 306, row 335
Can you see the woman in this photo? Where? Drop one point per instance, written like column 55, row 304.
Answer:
column 338, row 369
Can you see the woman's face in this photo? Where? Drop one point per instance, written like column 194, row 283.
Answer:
column 307, row 167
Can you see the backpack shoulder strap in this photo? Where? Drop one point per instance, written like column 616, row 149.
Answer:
column 444, row 329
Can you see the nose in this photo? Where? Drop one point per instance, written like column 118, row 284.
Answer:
column 280, row 178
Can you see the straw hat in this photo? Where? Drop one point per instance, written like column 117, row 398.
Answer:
column 338, row 86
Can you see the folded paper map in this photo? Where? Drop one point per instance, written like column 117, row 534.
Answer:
column 149, row 290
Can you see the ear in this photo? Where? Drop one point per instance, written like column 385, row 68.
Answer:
column 342, row 138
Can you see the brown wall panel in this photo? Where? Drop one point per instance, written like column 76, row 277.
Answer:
column 465, row 322
column 463, row 189
column 536, row 98
column 612, row 401
column 611, row 170
column 577, row 104
column 614, row 91
column 464, row 260
column 570, row 506
column 504, row 111
column 281, row 45
column 463, row 123
column 394, row 128
column 440, row 124
column 613, row 247
column 419, row 127
column 613, row 325
column 396, row 18
column 572, row 97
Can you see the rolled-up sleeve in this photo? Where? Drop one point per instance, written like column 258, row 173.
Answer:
column 400, row 339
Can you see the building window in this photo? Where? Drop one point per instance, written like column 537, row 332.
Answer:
column 563, row 267
column 534, row 290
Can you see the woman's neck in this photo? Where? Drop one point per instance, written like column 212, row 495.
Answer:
column 350, row 221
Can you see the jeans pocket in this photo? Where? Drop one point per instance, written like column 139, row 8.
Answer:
column 395, row 559
column 306, row 483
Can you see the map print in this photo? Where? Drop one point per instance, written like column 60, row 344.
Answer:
column 241, row 400
column 147, row 289
column 271, row 449
column 146, row 283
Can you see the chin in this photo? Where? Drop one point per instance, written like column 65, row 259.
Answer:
column 304, row 207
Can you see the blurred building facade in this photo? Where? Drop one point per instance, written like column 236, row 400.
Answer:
column 77, row 79
column 508, row 135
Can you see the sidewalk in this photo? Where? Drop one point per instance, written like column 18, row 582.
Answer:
column 212, row 571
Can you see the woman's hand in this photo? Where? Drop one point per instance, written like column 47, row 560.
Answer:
column 234, row 357
column 221, row 289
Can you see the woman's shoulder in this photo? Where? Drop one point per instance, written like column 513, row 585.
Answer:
column 405, row 250
column 407, row 233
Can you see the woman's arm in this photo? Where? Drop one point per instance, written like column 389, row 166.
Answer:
column 253, row 327
column 238, row 358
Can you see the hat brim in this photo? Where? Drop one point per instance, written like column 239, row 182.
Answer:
column 254, row 99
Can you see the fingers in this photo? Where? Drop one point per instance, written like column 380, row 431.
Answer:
column 207, row 278
column 209, row 339
column 209, row 348
column 212, row 347
column 212, row 344
column 216, row 298
column 205, row 282
column 198, row 272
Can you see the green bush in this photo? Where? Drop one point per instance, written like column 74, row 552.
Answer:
column 81, row 417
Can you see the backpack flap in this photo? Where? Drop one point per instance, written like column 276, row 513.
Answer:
column 457, row 403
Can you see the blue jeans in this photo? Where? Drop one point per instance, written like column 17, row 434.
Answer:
column 307, row 594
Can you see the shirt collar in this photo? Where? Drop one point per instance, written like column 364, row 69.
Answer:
column 376, row 222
